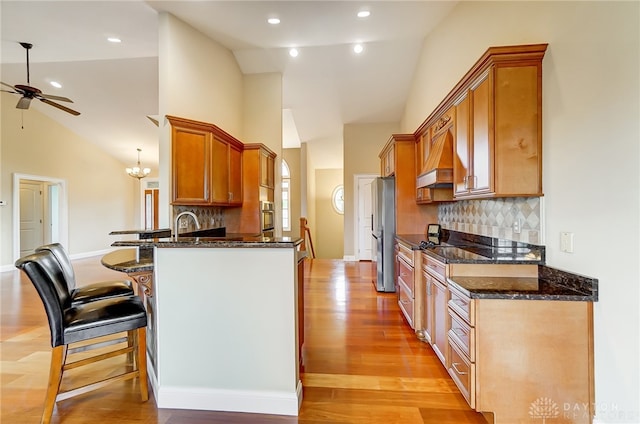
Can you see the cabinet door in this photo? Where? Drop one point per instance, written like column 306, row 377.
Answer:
column 190, row 166
column 440, row 317
column 219, row 171
column 482, row 138
column 235, row 175
column 428, row 307
column 267, row 170
column 461, row 170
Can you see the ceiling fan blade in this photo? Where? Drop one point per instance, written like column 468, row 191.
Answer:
column 23, row 103
column 66, row 109
column 7, row 85
column 52, row 97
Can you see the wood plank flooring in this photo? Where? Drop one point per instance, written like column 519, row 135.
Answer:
column 363, row 364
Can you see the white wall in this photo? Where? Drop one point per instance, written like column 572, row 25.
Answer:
column 198, row 79
column 101, row 197
column 590, row 153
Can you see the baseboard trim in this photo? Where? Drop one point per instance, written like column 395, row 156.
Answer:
column 257, row 402
column 349, row 258
column 84, row 255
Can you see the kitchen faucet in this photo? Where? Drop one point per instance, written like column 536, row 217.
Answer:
column 177, row 223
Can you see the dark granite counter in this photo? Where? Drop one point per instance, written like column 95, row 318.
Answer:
column 144, row 234
column 128, row 261
column 230, row 240
column 551, row 284
column 457, row 248
column 413, row 240
column 461, row 248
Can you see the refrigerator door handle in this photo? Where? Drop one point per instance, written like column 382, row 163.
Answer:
column 371, row 222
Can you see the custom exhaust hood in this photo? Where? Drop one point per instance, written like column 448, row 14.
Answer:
column 438, row 168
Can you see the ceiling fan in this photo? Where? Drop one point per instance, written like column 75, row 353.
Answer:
column 29, row 93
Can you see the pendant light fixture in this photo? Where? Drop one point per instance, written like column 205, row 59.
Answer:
column 137, row 171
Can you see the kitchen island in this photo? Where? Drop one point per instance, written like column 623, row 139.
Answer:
column 224, row 322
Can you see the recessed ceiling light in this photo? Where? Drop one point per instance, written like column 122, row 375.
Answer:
column 273, row 21
column 358, row 48
column 56, row 84
column 363, row 14
column 114, row 40
column 293, row 52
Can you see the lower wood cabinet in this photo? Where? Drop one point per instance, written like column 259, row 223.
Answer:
column 435, row 305
column 511, row 357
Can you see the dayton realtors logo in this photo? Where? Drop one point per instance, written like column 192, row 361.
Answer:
column 543, row 408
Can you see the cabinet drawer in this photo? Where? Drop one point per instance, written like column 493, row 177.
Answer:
column 406, row 253
column 405, row 301
column 463, row 335
column 405, row 273
column 434, row 267
column 461, row 305
column 462, row 372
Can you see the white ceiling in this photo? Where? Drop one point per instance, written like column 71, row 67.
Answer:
column 115, row 86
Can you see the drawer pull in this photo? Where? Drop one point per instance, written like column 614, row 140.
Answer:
column 454, row 365
column 405, row 302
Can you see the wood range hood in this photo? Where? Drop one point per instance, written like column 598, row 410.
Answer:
column 437, row 171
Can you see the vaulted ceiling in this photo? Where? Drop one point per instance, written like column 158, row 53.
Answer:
column 115, row 86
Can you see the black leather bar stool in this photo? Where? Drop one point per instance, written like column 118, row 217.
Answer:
column 89, row 292
column 80, row 325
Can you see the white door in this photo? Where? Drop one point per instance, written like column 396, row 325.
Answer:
column 365, row 215
column 31, row 216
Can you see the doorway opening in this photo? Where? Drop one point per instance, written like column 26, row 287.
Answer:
column 40, row 213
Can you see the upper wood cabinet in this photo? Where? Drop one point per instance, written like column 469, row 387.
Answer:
column 498, row 125
column 399, row 155
column 498, row 142
column 206, row 164
column 388, row 160
column 267, row 168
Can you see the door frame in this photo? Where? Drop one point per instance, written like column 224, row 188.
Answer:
column 356, row 211
column 63, row 214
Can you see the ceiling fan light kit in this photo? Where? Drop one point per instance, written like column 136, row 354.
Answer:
column 29, row 93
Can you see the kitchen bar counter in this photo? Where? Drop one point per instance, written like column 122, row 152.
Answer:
column 229, row 241
column 213, row 302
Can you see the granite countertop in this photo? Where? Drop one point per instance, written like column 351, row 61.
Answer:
column 456, row 249
column 551, row 284
column 144, row 234
column 463, row 248
column 230, row 240
column 128, row 261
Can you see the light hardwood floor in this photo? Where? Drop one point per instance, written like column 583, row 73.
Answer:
column 363, row 364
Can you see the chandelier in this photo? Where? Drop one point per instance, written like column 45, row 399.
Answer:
column 137, row 171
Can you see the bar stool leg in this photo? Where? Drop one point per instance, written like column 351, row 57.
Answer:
column 58, row 355
column 142, row 362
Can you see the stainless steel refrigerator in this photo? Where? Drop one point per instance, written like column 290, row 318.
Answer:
column 383, row 229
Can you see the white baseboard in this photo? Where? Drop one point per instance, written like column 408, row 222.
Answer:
column 349, row 258
column 257, row 402
column 84, row 255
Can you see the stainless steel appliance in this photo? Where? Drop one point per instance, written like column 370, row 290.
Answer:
column 383, row 229
column 267, row 218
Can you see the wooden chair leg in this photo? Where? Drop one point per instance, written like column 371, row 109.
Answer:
column 142, row 362
column 58, row 356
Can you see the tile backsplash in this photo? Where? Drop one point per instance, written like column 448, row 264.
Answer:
column 495, row 218
column 208, row 217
